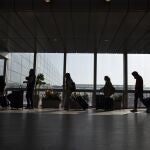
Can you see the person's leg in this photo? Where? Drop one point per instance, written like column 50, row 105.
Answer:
column 67, row 101
column 31, row 98
column 28, row 99
column 135, row 103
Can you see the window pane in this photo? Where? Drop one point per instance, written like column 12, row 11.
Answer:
column 110, row 65
column 80, row 67
column 18, row 66
column 139, row 63
column 51, row 65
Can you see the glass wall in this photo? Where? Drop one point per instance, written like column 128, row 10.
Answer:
column 18, row 66
column 51, row 65
column 110, row 65
column 80, row 67
column 139, row 63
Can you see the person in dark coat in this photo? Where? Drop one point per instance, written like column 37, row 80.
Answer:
column 30, row 88
column 68, row 91
column 138, row 94
column 108, row 90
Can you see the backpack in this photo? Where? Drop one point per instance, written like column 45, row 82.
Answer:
column 73, row 86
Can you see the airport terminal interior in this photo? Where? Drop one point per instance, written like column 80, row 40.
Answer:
column 46, row 35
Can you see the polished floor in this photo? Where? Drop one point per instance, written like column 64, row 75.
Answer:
column 51, row 129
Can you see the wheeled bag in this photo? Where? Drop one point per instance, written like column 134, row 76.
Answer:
column 16, row 99
column 146, row 101
column 104, row 103
column 100, row 101
column 82, row 102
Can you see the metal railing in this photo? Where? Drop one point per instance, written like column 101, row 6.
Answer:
column 146, row 93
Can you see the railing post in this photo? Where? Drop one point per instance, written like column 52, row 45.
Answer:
column 125, row 80
column 35, row 98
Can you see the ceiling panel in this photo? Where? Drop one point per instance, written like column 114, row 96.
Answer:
column 75, row 26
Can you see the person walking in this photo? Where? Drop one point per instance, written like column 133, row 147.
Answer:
column 138, row 93
column 108, row 90
column 68, row 91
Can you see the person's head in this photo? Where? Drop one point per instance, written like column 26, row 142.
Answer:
column 106, row 78
column 31, row 72
column 67, row 75
column 135, row 74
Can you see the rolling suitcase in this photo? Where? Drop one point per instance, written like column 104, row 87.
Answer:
column 82, row 102
column 108, row 103
column 146, row 102
column 104, row 103
column 100, row 101
column 16, row 99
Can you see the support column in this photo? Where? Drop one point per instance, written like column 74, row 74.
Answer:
column 5, row 66
column 34, row 61
column 64, row 72
column 125, row 80
column 35, row 98
column 35, row 55
column 95, row 79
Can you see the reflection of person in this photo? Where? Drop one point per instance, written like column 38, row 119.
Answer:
column 68, row 91
column 108, row 88
column 138, row 89
column 30, row 88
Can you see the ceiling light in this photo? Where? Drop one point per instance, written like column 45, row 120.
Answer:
column 47, row 1
column 55, row 40
column 107, row 0
column 106, row 40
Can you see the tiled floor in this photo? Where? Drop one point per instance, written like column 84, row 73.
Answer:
column 51, row 129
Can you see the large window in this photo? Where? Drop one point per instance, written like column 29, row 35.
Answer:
column 51, row 65
column 139, row 63
column 110, row 65
column 18, row 67
column 80, row 67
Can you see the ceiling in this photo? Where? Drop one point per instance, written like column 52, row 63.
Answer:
column 83, row 26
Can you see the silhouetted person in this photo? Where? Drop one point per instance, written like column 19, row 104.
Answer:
column 108, row 90
column 68, row 91
column 30, row 88
column 138, row 94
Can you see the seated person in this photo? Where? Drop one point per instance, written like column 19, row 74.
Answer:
column 108, row 90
